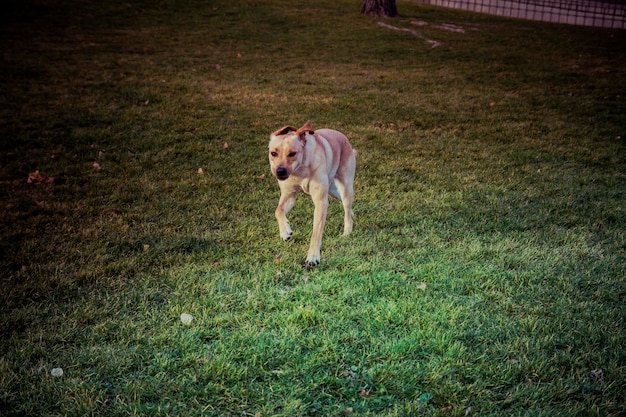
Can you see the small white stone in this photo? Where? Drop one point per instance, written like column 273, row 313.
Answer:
column 56, row 372
column 186, row 318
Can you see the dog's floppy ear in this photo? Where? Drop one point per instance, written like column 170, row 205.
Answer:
column 306, row 128
column 284, row 130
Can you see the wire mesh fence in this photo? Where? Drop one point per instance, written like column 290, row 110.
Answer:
column 602, row 13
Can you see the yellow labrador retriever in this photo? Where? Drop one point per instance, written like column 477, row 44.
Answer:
column 319, row 163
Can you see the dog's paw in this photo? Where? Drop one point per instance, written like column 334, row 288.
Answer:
column 312, row 261
column 286, row 235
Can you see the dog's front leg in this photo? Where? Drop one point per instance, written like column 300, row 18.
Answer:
column 320, row 199
column 285, row 204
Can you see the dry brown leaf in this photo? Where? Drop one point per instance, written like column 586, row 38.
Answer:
column 97, row 166
column 367, row 392
column 36, row 178
column 422, row 286
column 225, row 145
column 200, row 171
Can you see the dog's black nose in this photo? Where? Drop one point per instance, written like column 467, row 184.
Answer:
column 281, row 172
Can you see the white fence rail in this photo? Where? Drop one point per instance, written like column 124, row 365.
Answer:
column 602, row 13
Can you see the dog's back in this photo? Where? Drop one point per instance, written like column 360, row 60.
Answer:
column 342, row 153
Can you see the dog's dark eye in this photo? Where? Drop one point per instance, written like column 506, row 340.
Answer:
column 274, row 154
column 291, row 154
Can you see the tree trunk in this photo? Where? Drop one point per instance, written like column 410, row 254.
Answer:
column 383, row 8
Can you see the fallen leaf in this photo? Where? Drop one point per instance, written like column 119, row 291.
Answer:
column 492, row 104
column 447, row 407
column 97, row 166
column 596, row 374
column 56, row 372
column 283, row 291
column 146, row 247
column 422, row 286
column 238, row 55
column 218, row 67
column 200, row 171
column 36, row 178
column 305, row 278
column 225, row 145
column 367, row 392
column 186, row 318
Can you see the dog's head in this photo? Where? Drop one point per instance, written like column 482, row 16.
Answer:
column 286, row 150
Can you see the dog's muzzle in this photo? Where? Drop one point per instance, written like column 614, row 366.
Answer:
column 282, row 173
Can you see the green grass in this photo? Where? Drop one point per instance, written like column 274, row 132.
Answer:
column 485, row 275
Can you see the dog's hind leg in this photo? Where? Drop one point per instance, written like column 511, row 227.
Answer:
column 345, row 193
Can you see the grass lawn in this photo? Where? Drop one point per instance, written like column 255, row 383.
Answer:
column 486, row 272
